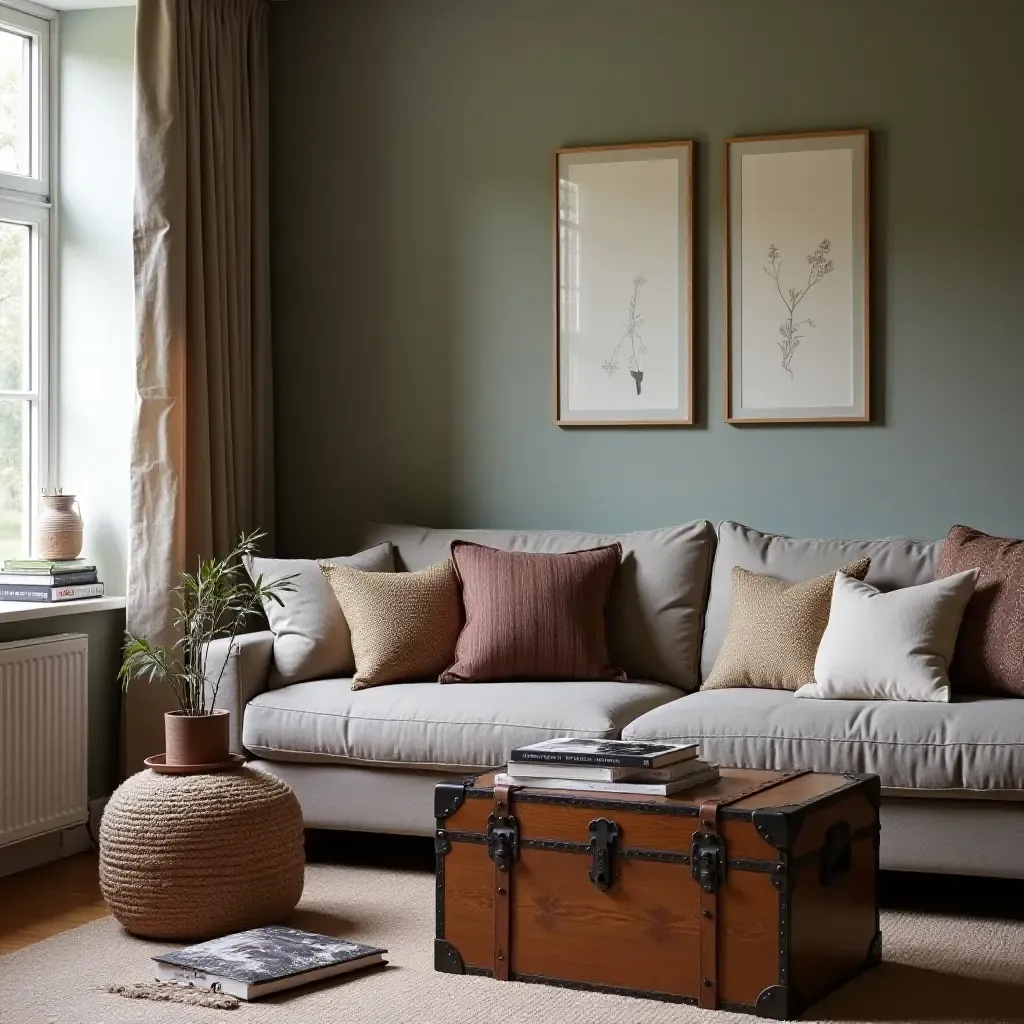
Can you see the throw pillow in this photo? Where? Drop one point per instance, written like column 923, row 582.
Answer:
column 774, row 630
column 311, row 637
column 533, row 616
column 894, row 646
column 989, row 655
column 404, row 624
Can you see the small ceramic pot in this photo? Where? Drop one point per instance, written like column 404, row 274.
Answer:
column 197, row 739
column 59, row 529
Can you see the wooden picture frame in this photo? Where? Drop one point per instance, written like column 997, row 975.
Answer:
column 796, row 222
column 623, row 285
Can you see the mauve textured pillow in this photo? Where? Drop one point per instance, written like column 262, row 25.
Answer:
column 989, row 656
column 533, row 616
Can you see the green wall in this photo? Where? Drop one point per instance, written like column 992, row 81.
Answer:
column 411, row 160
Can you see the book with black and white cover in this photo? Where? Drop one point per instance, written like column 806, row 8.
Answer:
column 46, row 595
column 260, row 961
column 605, row 753
column 38, row 579
column 625, row 786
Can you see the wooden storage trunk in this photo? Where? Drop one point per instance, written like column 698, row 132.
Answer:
column 760, row 903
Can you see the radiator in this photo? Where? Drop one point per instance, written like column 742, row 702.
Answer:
column 44, row 716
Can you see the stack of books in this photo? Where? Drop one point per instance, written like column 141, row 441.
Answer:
column 608, row 766
column 37, row 579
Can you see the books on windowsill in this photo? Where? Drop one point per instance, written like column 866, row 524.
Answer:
column 37, row 579
column 608, row 766
column 261, row 961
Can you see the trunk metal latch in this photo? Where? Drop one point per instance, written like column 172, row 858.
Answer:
column 603, row 834
column 707, row 860
column 502, row 840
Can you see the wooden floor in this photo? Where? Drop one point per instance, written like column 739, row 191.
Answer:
column 48, row 900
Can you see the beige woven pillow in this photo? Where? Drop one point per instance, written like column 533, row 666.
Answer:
column 404, row 625
column 774, row 630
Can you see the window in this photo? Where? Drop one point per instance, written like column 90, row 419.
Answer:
column 24, row 272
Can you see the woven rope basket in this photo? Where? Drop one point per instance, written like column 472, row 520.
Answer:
column 196, row 856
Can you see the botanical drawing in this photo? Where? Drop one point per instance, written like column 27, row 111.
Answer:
column 820, row 265
column 633, row 336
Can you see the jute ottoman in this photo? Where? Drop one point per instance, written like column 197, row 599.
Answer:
column 196, row 856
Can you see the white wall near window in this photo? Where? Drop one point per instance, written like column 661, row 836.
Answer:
column 97, row 333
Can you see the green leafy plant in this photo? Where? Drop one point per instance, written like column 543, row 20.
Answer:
column 214, row 602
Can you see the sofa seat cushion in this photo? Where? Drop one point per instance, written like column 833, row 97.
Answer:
column 972, row 747
column 436, row 725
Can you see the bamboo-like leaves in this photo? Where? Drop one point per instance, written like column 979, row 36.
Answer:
column 216, row 601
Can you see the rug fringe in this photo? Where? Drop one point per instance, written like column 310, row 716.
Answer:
column 167, row 992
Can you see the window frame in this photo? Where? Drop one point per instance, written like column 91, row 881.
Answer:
column 29, row 200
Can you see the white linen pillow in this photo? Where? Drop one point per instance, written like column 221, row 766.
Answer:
column 890, row 646
column 311, row 636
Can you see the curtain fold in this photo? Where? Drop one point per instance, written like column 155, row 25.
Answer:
column 202, row 448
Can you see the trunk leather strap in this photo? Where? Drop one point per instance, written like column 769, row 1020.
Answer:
column 502, row 889
column 707, row 818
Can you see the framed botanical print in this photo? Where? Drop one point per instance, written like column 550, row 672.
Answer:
column 623, row 285
column 796, row 278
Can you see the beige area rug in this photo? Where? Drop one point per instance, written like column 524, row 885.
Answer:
column 940, row 969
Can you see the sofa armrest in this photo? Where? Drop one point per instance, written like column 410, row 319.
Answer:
column 246, row 672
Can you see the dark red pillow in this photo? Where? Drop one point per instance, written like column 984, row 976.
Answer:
column 989, row 656
column 533, row 616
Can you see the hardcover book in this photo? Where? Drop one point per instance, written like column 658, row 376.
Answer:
column 45, row 594
column 605, row 753
column 48, row 579
column 260, row 961
column 45, row 565
column 709, row 774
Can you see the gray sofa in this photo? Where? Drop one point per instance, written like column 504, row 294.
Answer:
column 952, row 774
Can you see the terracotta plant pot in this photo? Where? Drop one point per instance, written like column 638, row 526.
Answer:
column 196, row 739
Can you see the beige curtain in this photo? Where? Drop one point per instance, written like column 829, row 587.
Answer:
column 202, row 457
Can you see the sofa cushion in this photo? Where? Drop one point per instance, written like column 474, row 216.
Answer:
column 311, row 636
column 894, row 646
column 975, row 744
column 894, row 563
column 656, row 605
column 403, row 624
column 436, row 725
column 774, row 630
column 989, row 655
column 531, row 615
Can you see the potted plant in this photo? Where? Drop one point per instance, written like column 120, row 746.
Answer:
column 217, row 601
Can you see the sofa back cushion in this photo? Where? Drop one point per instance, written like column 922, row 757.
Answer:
column 895, row 563
column 655, row 608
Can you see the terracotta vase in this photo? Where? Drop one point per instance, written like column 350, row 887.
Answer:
column 196, row 739
column 59, row 529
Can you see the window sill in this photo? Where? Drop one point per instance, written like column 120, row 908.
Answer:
column 22, row 611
